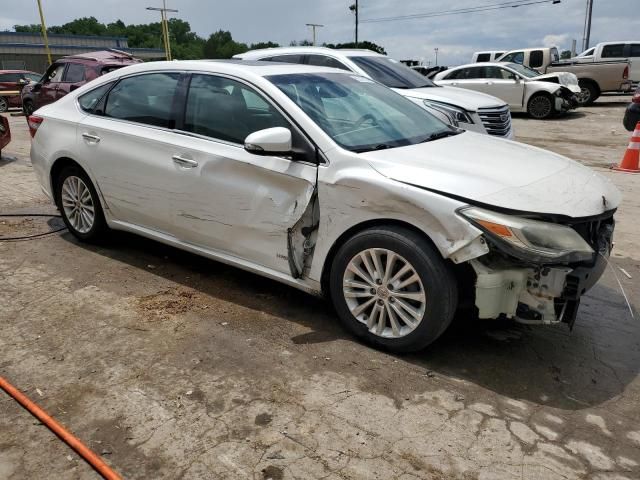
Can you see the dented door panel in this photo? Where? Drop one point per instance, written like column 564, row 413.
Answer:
column 239, row 203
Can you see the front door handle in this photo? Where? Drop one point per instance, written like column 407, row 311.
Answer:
column 91, row 138
column 184, row 162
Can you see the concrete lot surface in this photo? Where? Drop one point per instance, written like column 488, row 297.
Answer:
column 173, row 366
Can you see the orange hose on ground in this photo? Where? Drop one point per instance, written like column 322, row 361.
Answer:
column 92, row 458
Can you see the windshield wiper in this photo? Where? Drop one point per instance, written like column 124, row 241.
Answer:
column 381, row 146
column 442, row 134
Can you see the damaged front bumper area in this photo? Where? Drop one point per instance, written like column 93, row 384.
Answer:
column 540, row 293
column 565, row 100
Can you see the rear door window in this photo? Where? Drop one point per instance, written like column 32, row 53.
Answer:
column 324, row 61
column 286, row 58
column 536, row 58
column 484, row 57
column 634, row 50
column 613, row 51
column 146, row 98
column 74, row 73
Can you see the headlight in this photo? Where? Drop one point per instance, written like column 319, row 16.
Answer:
column 454, row 115
column 531, row 239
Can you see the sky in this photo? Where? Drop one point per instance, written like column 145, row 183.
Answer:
column 455, row 36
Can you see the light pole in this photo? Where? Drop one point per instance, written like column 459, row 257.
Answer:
column 165, row 26
column 44, row 33
column 587, row 26
column 313, row 27
column 355, row 8
column 436, row 50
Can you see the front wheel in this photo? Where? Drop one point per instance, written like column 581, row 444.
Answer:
column 540, row 106
column 79, row 205
column 391, row 288
column 28, row 107
column 4, row 104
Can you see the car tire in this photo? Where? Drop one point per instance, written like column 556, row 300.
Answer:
column 4, row 104
column 79, row 205
column 361, row 300
column 28, row 108
column 541, row 106
column 589, row 93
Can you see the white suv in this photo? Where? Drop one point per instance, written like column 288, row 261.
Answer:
column 461, row 108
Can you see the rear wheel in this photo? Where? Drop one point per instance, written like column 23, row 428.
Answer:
column 589, row 93
column 79, row 204
column 28, row 107
column 4, row 104
column 540, row 106
column 391, row 288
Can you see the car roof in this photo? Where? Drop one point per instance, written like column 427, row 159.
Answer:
column 483, row 64
column 252, row 68
column 344, row 52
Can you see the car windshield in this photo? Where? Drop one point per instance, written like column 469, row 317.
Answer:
column 524, row 71
column 359, row 114
column 391, row 73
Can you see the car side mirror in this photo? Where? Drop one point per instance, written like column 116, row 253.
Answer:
column 274, row 141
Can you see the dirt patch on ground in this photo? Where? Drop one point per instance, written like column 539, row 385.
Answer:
column 167, row 304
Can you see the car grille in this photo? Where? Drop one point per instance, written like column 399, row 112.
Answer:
column 497, row 121
column 597, row 233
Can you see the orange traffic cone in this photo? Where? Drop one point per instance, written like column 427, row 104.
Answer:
column 631, row 157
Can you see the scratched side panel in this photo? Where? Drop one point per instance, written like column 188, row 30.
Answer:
column 351, row 192
column 240, row 203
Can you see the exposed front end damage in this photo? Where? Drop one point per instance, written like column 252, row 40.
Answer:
column 540, row 293
column 565, row 100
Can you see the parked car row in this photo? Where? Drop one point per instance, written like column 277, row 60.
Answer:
column 604, row 68
column 473, row 111
column 524, row 89
column 11, row 83
column 69, row 73
column 324, row 179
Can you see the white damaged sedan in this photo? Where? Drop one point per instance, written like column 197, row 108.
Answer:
column 331, row 183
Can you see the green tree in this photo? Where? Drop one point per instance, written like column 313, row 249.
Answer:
column 565, row 54
column 301, row 43
column 256, row 46
column 221, row 45
column 364, row 44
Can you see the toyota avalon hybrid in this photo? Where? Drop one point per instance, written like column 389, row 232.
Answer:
column 331, row 183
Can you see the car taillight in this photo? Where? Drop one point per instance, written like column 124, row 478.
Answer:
column 34, row 123
column 625, row 75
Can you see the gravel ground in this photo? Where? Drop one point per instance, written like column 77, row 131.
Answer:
column 174, row 366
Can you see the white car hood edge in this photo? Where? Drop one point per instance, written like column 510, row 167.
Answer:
column 500, row 173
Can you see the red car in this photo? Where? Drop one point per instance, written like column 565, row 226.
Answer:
column 5, row 133
column 11, row 82
column 69, row 73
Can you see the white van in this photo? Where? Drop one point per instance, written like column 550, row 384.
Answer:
column 488, row 56
column 629, row 50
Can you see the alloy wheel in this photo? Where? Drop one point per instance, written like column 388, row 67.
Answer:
column 77, row 203
column 384, row 291
column 4, row 104
column 540, row 107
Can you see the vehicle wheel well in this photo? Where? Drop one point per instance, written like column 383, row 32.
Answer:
column 57, row 168
column 342, row 239
column 593, row 83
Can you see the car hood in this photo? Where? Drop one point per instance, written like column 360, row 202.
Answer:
column 467, row 99
column 566, row 79
column 501, row 173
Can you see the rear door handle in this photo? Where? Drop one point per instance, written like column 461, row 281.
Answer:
column 184, row 162
column 91, row 138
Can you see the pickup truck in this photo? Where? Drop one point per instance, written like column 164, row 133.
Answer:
column 607, row 51
column 594, row 78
